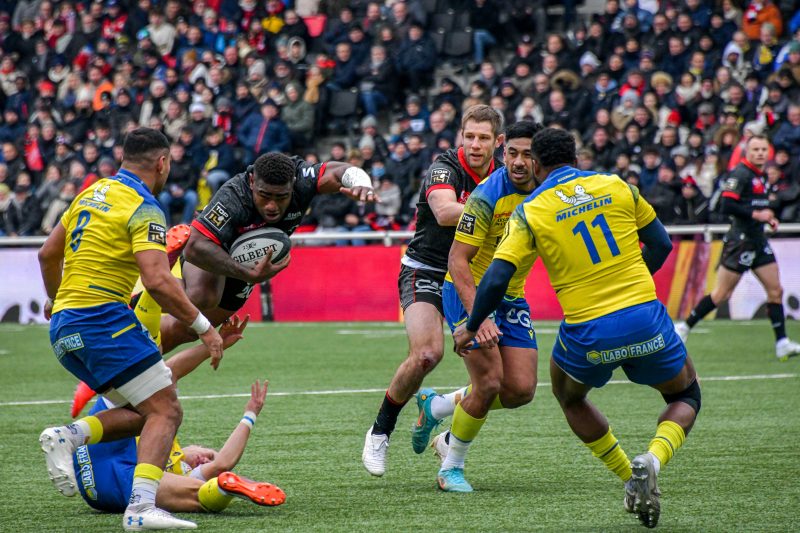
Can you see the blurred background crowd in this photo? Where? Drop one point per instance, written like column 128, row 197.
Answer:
column 664, row 94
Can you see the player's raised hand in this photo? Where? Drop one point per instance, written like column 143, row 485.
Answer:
column 232, row 329
column 488, row 335
column 258, row 393
column 265, row 269
column 213, row 341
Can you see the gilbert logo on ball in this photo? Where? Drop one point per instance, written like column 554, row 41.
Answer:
column 255, row 245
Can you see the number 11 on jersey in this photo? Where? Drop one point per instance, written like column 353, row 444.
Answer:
column 598, row 222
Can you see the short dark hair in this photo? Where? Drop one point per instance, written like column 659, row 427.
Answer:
column 141, row 143
column 524, row 129
column 273, row 168
column 553, row 147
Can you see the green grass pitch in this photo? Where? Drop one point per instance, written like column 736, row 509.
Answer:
column 738, row 471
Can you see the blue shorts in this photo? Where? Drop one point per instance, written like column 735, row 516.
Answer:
column 105, row 471
column 641, row 339
column 513, row 318
column 104, row 346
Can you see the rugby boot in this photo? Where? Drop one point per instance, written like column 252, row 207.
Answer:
column 259, row 493
column 426, row 423
column 374, row 454
column 453, row 480
column 143, row 517
column 58, row 449
column 647, row 504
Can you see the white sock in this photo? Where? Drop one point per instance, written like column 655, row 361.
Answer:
column 78, row 432
column 144, row 491
column 656, row 463
column 456, row 454
column 443, row 405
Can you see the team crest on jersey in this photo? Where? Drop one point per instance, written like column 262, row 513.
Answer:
column 466, row 224
column 218, row 216
column 439, row 175
column 580, row 196
column 99, row 194
column 758, row 186
column 157, row 233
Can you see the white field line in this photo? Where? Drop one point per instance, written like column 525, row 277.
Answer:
column 383, row 389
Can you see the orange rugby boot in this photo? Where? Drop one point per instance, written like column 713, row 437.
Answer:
column 258, row 493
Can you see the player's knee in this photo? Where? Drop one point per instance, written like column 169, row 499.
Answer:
column 517, row 395
column 690, row 396
column 775, row 294
column 427, row 358
column 203, row 299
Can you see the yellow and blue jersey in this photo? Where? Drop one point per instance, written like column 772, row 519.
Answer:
column 584, row 225
column 483, row 224
column 106, row 225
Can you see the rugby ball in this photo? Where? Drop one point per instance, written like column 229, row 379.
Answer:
column 254, row 245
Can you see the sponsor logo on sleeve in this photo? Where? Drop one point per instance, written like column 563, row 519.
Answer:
column 466, row 224
column 309, row 172
column 218, row 216
column 730, row 184
column 439, row 175
column 157, row 233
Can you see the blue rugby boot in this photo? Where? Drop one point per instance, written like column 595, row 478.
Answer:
column 426, row 423
column 452, row 480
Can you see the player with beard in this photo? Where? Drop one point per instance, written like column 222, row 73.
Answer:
column 448, row 183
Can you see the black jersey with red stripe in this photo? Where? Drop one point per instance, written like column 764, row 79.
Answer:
column 431, row 242
column 231, row 211
column 746, row 189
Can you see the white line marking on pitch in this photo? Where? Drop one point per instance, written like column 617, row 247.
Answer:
column 383, row 389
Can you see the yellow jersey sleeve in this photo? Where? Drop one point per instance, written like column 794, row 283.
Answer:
column 518, row 245
column 645, row 213
column 147, row 228
column 475, row 221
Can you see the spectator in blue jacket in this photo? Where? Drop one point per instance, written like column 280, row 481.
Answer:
column 264, row 132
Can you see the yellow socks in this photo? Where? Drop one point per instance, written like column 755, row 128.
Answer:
column 149, row 314
column 669, row 437
column 608, row 450
column 95, row 429
column 212, row 498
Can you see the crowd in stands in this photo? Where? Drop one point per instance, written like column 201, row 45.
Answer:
column 664, row 94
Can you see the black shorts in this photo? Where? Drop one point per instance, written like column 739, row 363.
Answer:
column 235, row 294
column 417, row 285
column 740, row 255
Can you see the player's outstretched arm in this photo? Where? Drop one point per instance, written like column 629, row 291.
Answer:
column 51, row 263
column 347, row 179
column 184, row 362
column 230, row 454
column 657, row 245
column 169, row 294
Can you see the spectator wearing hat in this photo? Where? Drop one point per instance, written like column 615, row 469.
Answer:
column 198, row 121
column 264, row 132
column 449, row 91
column 692, row 206
column 664, row 194
column 622, row 114
column 416, row 59
column 369, row 129
column 299, row 117
column 376, row 81
column 648, row 174
column 244, row 104
column 359, row 44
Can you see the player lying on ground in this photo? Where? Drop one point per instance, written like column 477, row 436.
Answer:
column 502, row 369
column 196, row 478
column 612, row 317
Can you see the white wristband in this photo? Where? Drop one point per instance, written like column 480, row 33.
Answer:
column 200, row 324
column 356, row 177
column 249, row 419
